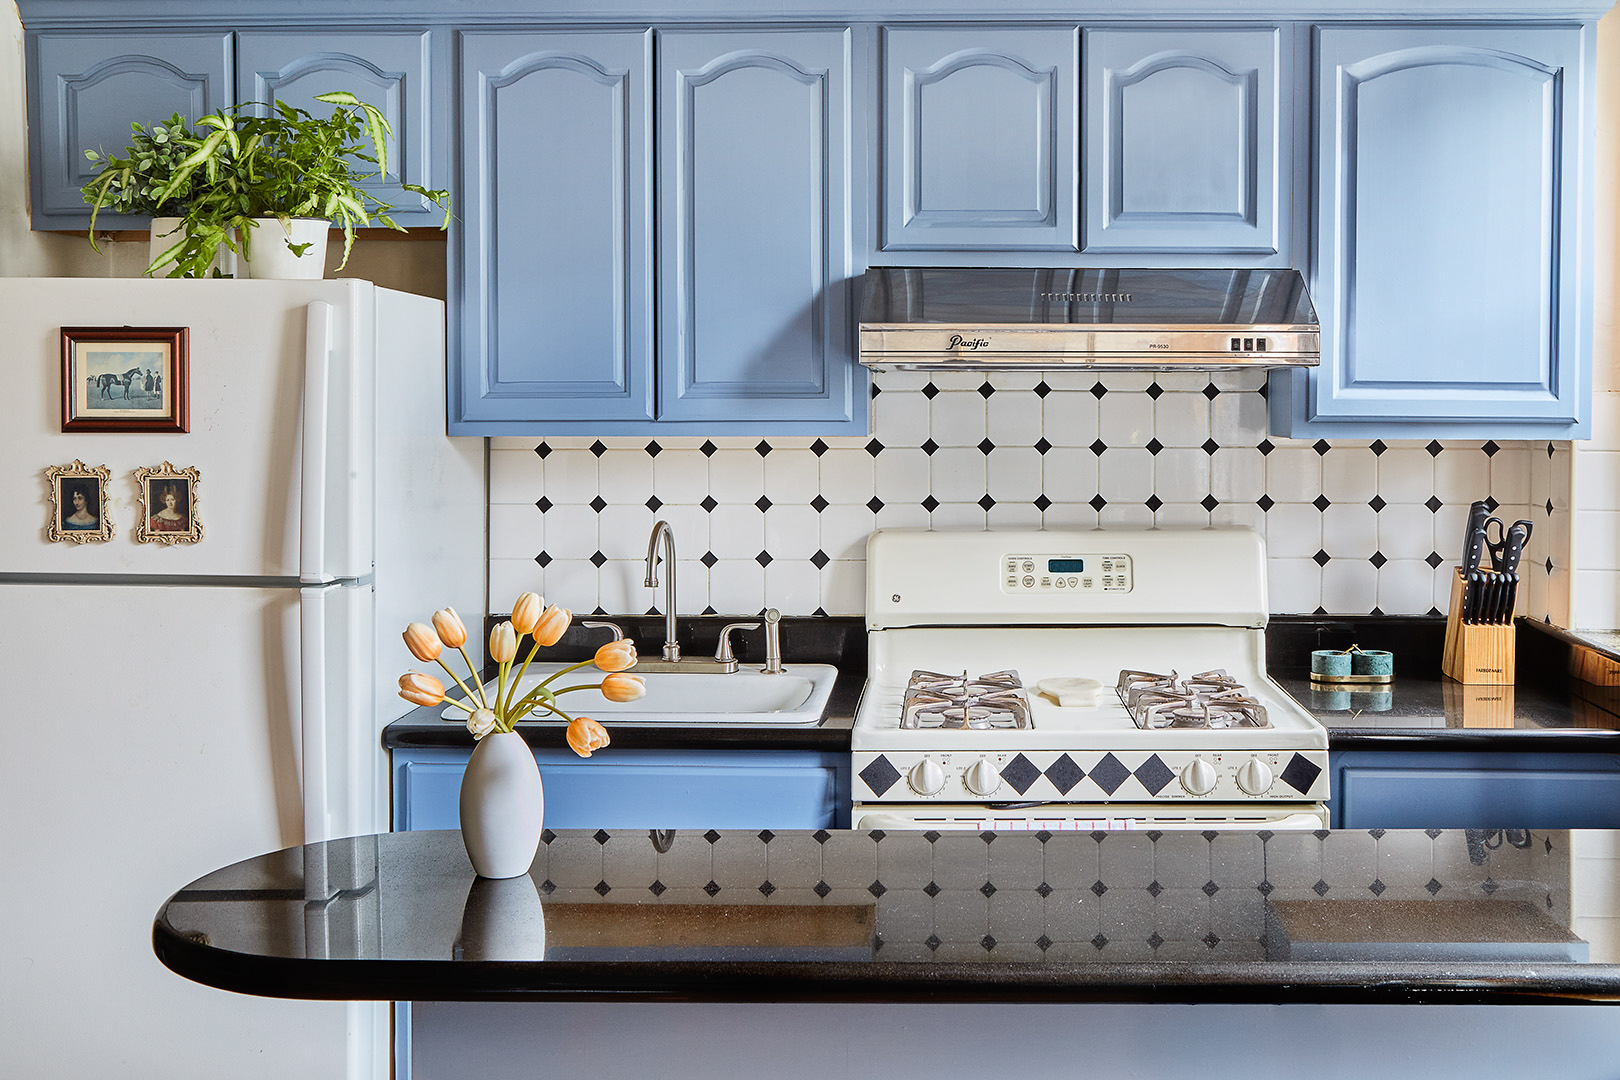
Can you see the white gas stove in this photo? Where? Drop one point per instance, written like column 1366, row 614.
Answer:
column 1077, row 680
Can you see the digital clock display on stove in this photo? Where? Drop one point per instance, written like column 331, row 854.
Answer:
column 1065, row 566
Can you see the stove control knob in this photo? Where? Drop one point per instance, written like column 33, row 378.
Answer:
column 981, row 777
column 926, row 777
column 1199, row 778
column 1254, row 777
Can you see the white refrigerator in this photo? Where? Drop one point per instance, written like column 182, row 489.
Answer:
column 172, row 708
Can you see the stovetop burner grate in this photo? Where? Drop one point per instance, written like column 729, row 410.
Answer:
column 957, row 702
column 1209, row 699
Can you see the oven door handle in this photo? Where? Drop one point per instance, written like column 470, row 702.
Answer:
column 1017, row 805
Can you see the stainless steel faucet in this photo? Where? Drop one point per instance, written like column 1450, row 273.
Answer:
column 662, row 531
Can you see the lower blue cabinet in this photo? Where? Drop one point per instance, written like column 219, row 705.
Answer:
column 1388, row 789
column 645, row 789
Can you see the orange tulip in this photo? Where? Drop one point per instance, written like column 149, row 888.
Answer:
column 623, row 687
column 586, row 735
column 420, row 689
column 616, row 655
column 450, row 628
column 423, row 642
column 548, row 630
column 526, row 612
column 502, row 643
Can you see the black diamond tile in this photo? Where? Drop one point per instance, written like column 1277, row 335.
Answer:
column 1098, row 502
column 1042, row 446
column 709, row 503
column 1377, row 887
column 1155, row 940
column 1210, row 446
column 1491, row 504
column 1043, row 943
column 1265, row 447
column 762, row 448
column 988, row 889
column 1321, row 888
column 1548, row 841
column 933, row 942
column 1433, row 834
column 1377, row 503
column 1153, row 774
column 598, row 504
column 1490, row 448
column 1490, row 886
column 818, row 504
column 766, row 888
column 1020, row 772
column 985, row 389
column 988, row 836
column 544, row 504
column 1265, row 888
column 598, row 448
column 821, row 836
column 1043, row 889
column 708, row 449
column 820, row 559
column 1434, row 448
column 1155, row 835
column 1098, row 390
column 879, row 775
column 1211, row 391
column 657, row 888
column 1378, row 447
column 1321, row 557
column 931, row 889
column 711, row 836
column 709, row 559
column 874, row 447
column 1098, row 447
column 875, row 835
column 822, row 889
column 763, row 558
column 1210, row 888
column 1301, row 773
column 1043, row 836
column 1321, row 447
column 1433, row 887
column 1265, row 834
column 929, row 390
column 547, row 836
column 1153, row 503
column 1321, row 834
column 654, row 502
column 707, row 610
column 929, row 446
column 930, row 504
column 1434, row 559
column 1042, row 502
column 1209, row 503
column 1098, row 888
column 1154, row 390
column 985, row 446
column 766, row 835
column 763, row 504
column 1434, row 504
column 601, row 836
column 1098, row 942
column 545, row 451
column 1064, row 774
column 987, row 942
column 652, row 449
column 1549, row 507
column 1549, row 449
column 1110, row 773
column 1209, row 834
column 986, row 501
column 547, row 887
column 1265, row 502
column 874, row 504
column 543, row 559
column 1154, row 446
column 1377, row 559
column 597, row 559
column 1549, row 565
column 603, row 888
column 1321, row 502
column 1154, row 888
column 876, row 889
column 1041, row 389
column 818, row 448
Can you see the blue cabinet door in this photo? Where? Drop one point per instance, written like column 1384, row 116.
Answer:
column 85, row 89
column 1187, row 139
column 756, row 232
column 1445, row 790
column 980, row 139
column 392, row 70
column 1453, row 213
column 645, row 789
column 552, row 283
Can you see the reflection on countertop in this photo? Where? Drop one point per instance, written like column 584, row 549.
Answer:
column 1435, row 703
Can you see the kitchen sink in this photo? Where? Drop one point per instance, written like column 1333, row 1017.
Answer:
column 747, row 696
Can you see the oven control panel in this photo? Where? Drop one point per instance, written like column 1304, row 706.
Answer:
column 1065, row 573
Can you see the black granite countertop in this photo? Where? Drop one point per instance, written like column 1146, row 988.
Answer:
column 1345, row 916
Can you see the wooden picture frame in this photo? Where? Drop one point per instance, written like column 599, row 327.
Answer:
column 168, row 498
column 78, row 498
column 126, row 378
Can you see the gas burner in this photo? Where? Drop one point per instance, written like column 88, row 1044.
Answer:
column 1209, row 699
column 995, row 700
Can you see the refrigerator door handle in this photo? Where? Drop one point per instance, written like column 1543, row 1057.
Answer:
column 312, row 467
column 312, row 712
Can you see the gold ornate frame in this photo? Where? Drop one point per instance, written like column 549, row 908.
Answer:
column 145, row 480
column 56, row 478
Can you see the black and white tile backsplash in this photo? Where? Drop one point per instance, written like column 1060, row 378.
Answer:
column 1352, row 527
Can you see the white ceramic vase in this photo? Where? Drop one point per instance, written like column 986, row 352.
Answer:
column 273, row 260
column 166, row 232
column 503, row 806
column 502, row 920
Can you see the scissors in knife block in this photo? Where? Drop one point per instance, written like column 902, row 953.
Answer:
column 1473, row 577
column 1514, row 538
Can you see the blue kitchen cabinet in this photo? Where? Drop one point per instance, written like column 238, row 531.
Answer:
column 645, row 789
column 981, row 139
column 1453, row 263
column 85, row 88
column 1188, row 143
column 394, row 70
column 552, row 287
column 1388, row 789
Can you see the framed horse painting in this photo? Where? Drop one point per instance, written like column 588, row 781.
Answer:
column 126, row 378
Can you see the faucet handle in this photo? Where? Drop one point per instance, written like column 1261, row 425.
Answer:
column 773, row 642
column 722, row 652
column 603, row 624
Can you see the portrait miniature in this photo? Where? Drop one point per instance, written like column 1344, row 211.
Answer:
column 168, row 506
column 78, row 497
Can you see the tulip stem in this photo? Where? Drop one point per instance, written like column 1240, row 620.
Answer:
column 459, row 704
column 543, row 705
column 572, row 667
column 479, row 698
column 471, row 674
column 534, row 648
column 581, row 686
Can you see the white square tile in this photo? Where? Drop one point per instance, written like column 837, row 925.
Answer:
column 1182, row 380
column 570, row 476
column 1014, row 380
column 901, row 516
column 736, row 532
column 1593, row 602
column 957, row 475
column 622, row 531
column 1349, row 586
column 901, row 475
column 1181, row 475
column 1246, row 514
column 1596, row 478
column 568, row 582
column 1125, row 475
column 1462, row 474
column 513, row 577
column 957, row 516
column 1070, row 379
column 792, row 531
column 1012, row 515
column 847, row 476
column 843, row 587
column 1125, row 420
column 1294, row 474
column 1070, row 515
column 1605, row 421
column 1013, row 418
column 1294, row 585
column 1405, row 475
column 1069, row 474
column 1181, row 418
column 1540, row 476
column 1349, row 531
column 1237, row 473
column 1510, row 476
column 1069, row 418
column 1349, row 474
column 1450, row 522
column 1013, row 473
column 736, row 587
column 1237, row 419
column 957, row 418
column 737, row 476
column 1125, row 516
column 516, row 531
column 792, row 476
column 844, row 530
column 1406, row 531
column 1128, row 381
column 900, row 418
column 1174, row 515
column 900, row 380
column 625, row 476
column 690, row 525
column 1405, row 587
column 680, row 476
column 1293, row 530
column 1242, row 379
column 571, row 531
column 691, row 588
column 515, row 476
column 620, row 589
column 957, row 380
column 1597, row 540
column 793, row 586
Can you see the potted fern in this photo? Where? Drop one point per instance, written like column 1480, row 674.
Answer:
column 278, row 182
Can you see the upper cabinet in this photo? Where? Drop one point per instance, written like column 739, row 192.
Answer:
column 1453, row 261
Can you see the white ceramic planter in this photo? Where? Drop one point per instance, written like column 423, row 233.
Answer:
column 166, row 232
column 503, row 806
column 273, row 260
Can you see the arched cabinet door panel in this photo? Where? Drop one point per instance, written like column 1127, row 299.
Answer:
column 1451, row 200
column 392, row 70
column 980, row 139
column 86, row 88
column 1186, row 138
column 553, row 256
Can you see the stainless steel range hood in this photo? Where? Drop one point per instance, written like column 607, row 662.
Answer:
column 987, row 319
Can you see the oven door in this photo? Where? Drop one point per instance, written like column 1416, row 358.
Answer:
column 1057, row 817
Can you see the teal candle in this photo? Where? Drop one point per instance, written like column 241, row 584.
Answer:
column 1330, row 662
column 1372, row 662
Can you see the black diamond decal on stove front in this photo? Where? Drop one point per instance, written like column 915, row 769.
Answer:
column 1108, row 775
column 1154, row 774
column 879, row 775
column 1064, row 774
column 1020, row 772
column 1301, row 773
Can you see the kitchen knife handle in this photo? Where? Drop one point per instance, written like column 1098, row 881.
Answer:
column 1477, row 513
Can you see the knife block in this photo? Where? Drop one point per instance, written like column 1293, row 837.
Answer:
column 1476, row 653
